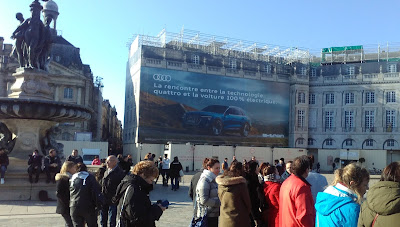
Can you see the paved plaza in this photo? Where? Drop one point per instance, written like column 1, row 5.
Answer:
column 36, row 213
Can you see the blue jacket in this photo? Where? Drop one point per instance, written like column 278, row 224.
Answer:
column 337, row 206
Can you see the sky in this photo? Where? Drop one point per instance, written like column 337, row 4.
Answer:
column 101, row 29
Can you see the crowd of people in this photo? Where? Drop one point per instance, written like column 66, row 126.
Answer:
column 292, row 194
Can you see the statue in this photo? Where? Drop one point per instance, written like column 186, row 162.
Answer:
column 6, row 140
column 33, row 39
column 50, row 142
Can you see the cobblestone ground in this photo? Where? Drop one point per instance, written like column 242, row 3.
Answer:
column 34, row 213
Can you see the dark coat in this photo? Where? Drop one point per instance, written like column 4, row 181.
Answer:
column 174, row 169
column 110, row 183
column 48, row 160
column 383, row 198
column 4, row 159
column 85, row 193
column 254, row 187
column 35, row 161
column 62, row 193
column 75, row 159
column 235, row 202
column 145, row 213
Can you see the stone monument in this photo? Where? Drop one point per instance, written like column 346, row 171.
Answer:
column 29, row 113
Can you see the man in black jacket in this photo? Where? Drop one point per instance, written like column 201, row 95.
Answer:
column 75, row 157
column 112, row 177
column 52, row 163
column 85, row 197
column 35, row 165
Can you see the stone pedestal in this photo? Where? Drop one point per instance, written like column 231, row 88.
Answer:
column 31, row 84
column 29, row 134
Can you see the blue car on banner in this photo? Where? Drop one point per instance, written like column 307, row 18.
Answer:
column 218, row 119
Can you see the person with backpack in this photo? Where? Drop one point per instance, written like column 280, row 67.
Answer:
column 134, row 205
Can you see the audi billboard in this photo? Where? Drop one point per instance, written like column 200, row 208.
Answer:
column 180, row 106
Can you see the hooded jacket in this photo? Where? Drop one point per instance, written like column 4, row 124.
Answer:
column 337, row 206
column 207, row 195
column 144, row 213
column 383, row 199
column 235, row 202
column 85, row 192
column 271, row 191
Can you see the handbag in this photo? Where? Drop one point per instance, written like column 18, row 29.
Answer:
column 199, row 222
column 119, row 223
column 181, row 174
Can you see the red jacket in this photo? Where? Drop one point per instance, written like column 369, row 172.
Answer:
column 296, row 204
column 271, row 192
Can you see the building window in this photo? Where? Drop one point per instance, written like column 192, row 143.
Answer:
column 232, row 63
column 313, row 72
column 369, row 119
column 390, row 143
column 329, row 142
column 370, row 97
column 349, row 142
column 330, row 98
column 300, row 118
column 369, row 142
column 328, row 119
column 392, row 68
column 310, row 141
column 349, row 98
column 300, row 141
column 390, row 96
column 303, row 71
column 301, row 97
column 195, row 59
column 311, row 99
column 390, row 120
column 351, row 70
column 349, row 119
column 267, row 68
column 68, row 93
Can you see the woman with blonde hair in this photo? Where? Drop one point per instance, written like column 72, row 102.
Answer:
column 142, row 212
column 382, row 206
column 67, row 170
column 339, row 204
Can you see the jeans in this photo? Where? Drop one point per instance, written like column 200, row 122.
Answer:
column 108, row 211
column 49, row 170
column 79, row 218
column 3, row 171
column 176, row 185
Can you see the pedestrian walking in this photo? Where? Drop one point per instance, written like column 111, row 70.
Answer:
column 207, row 201
column 134, row 205
column 174, row 169
column 62, row 191
column 381, row 208
column 271, row 190
column 234, row 196
column 296, row 205
column 111, row 179
column 339, row 204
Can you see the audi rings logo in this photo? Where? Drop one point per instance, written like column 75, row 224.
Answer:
column 162, row 78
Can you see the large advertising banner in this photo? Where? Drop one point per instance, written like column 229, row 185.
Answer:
column 181, row 106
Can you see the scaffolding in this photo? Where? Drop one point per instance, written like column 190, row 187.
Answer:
column 224, row 46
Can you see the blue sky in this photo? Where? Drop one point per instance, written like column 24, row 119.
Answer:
column 101, row 28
